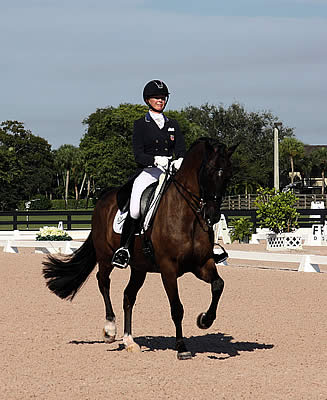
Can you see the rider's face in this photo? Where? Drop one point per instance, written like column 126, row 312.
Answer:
column 157, row 103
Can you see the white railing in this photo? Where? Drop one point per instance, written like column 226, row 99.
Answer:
column 11, row 241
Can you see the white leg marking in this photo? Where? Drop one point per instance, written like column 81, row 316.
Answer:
column 130, row 345
column 109, row 331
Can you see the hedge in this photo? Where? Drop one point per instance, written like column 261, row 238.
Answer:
column 44, row 203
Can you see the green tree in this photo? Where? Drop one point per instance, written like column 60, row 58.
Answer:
column 253, row 160
column 107, row 143
column 67, row 158
column 292, row 149
column 304, row 166
column 26, row 164
column 276, row 210
column 319, row 159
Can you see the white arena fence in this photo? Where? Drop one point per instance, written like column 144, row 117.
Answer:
column 304, row 262
column 11, row 241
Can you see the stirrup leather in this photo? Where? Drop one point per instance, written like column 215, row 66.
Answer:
column 121, row 258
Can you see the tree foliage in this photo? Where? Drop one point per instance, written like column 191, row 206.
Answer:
column 291, row 149
column 319, row 160
column 107, row 143
column 253, row 160
column 67, row 161
column 276, row 210
column 26, row 164
column 105, row 157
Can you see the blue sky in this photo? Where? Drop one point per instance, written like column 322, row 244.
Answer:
column 61, row 60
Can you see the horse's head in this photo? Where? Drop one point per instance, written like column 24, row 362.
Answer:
column 214, row 175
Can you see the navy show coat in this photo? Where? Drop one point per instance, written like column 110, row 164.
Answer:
column 150, row 141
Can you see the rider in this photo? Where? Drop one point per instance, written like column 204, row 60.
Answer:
column 155, row 139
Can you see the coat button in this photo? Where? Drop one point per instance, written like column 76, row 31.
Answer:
column 157, row 150
column 166, row 149
column 157, row 141
column 166, row 141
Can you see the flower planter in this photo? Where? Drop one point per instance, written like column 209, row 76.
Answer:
column 246, row 239
column 51, row 233
column 279, row 241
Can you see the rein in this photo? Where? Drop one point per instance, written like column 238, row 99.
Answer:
column 195, row 203
column 198, row 203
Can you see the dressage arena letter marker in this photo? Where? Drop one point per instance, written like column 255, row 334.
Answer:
column 316, row 234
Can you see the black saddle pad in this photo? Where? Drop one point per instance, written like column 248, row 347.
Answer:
column 124, row 194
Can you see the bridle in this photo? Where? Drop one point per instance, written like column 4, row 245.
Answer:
column 198, row 203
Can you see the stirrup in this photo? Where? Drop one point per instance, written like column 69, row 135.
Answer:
column 219, row 258
column 121, row 258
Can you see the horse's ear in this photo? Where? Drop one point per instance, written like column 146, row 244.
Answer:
column 231, row 149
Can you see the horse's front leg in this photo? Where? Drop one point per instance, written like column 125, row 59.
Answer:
column 109, row 330
column 169, row 280
column 136, row 281
column 208, row 273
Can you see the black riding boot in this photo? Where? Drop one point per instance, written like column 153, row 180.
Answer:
column 122, row 256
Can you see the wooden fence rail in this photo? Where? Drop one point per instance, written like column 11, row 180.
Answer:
column 246, row 202
column 33, row 220
column 306, row 219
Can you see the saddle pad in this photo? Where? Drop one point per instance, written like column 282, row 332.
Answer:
column 119, row 221
column 121, row 216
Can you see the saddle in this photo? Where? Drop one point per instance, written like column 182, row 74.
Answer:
column 149, row 203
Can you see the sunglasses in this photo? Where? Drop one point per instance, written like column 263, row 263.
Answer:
column 164, row 98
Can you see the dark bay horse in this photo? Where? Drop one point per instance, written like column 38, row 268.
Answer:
column 181, row 235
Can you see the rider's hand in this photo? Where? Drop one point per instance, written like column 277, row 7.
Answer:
column 161, row 162
column 176, row 164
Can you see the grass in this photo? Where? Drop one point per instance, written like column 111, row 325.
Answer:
column 52, row 220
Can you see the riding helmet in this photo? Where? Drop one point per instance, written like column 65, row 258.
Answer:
column 155, row 88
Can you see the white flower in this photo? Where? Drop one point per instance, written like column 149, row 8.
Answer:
column 51, row 231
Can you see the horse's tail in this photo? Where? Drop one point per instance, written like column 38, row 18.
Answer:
column 66, row 276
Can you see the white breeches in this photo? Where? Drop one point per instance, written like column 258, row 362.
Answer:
column 146, row 177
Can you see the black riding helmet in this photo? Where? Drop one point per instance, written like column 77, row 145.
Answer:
column 155, row 88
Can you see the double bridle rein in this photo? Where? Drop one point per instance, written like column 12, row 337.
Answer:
column 198, row 203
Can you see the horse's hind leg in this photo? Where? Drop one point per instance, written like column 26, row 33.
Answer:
column 135, row 283
column 177, row 312
column 109, row 330
column 208, row 273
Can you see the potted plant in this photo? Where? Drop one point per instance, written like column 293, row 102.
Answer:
column 276, row 211
column 242, row 229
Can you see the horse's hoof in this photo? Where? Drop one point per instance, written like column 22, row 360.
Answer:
column 133, row 348
column 108, row 338
column 199, row 321
column 185, row 355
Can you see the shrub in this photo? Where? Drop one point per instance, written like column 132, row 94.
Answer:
column 71, row 204
column 276, row 210
column 41, row 203
column 242, row 229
